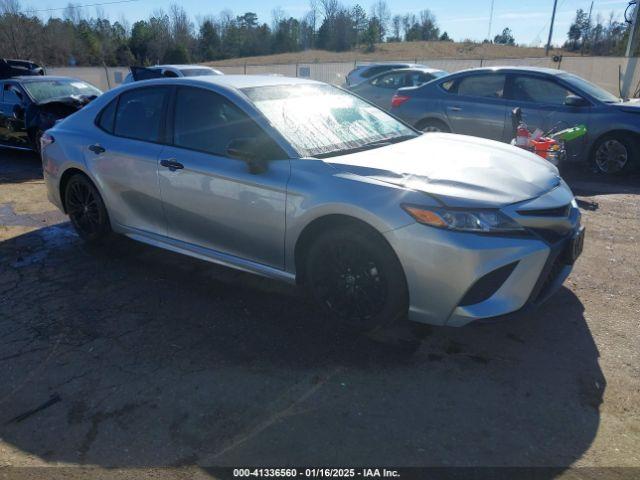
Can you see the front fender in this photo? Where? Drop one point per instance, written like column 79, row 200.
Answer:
column 317, row 190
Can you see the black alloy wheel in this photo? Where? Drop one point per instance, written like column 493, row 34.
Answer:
column 86, row 209
column 357, row 278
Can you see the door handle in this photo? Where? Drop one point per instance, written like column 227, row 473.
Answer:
column 171, row 164
column 455, row 109
column 97, row 149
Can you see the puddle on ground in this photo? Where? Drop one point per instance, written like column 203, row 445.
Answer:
column 10, row 218
column 48, row 238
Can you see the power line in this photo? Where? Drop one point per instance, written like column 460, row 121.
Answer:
column 79, row 6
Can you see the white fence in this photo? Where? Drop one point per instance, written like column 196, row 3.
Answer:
column 611, row 73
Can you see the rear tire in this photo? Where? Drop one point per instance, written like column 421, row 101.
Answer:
column 356, row 277
column 432, row 126
column 86, row 209
column 615, row 154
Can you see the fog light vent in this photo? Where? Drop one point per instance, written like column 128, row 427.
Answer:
column 487, row 285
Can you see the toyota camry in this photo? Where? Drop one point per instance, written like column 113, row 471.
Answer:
column 303, row 182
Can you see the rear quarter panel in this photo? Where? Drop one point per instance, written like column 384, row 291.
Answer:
column 424, row 102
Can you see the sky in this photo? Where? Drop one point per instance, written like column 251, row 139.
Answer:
column 528, row 19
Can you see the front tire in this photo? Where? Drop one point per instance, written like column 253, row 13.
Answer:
column 86, row 209
column 356, row 277
column 614, row 154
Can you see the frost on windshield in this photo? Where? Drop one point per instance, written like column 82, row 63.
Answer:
column 321, row 119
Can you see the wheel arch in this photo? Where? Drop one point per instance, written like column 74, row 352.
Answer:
column 323, row 223
column 64, row 180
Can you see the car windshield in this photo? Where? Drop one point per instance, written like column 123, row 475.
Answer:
column 43, row 90
column 589, row 88
column 196, row 72
column 322, row 120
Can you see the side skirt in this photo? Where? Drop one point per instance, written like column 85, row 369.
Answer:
column 207, row 254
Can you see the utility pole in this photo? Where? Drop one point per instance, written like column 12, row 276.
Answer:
column 490, row 21
column 633, row 31
column 629, row 72
column 588, row 32
column 553, row 19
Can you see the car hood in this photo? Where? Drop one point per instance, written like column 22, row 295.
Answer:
column 459, row 170
column 632, row 106
column 74, row 101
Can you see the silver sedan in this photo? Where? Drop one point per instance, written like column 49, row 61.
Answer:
column 381, row 88
column 302, row 182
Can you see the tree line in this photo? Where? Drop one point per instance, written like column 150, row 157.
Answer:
column 73, row 38
column 597, row 36
column 173, row 37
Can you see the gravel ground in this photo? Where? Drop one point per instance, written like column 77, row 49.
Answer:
column 136, row 357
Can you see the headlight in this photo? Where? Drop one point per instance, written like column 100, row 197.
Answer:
column 487, row 221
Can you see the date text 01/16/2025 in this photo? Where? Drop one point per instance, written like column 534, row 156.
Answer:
column 315, row 473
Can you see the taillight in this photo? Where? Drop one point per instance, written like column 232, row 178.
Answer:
column 398, row 100
column 45, row 140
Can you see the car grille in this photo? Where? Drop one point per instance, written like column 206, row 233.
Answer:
column 562, row 211
column 548, row 235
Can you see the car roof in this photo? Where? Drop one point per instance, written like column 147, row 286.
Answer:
column 183, row 66
column 507, row 68
column 38, row 78
column 383, row 64
column 411, row 69
column 233, row 81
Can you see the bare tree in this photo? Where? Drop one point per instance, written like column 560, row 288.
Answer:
column 329, row 8
column 277, row 15
column 397, row 25
column 18, row 33
column 181, row 26
column 380, row 10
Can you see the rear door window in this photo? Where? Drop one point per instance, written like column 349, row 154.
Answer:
column 141, row 112
column 392, row 81
column 107, row 116
column 489, row 86
column 379, row 69
column 415, row 79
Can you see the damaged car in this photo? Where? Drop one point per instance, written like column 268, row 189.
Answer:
column 31, row 104
column 13, row 68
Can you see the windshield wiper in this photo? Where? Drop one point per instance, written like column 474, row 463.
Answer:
column 366, row 146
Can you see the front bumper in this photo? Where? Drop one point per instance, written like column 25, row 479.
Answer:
column 443, row 266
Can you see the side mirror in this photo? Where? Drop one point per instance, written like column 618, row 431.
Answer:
column 248, row 150
column 575, row 101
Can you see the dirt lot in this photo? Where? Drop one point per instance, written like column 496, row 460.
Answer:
column 141, row 358
column 399, row 51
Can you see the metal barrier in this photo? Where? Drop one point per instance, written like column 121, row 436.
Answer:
column 614, row 74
